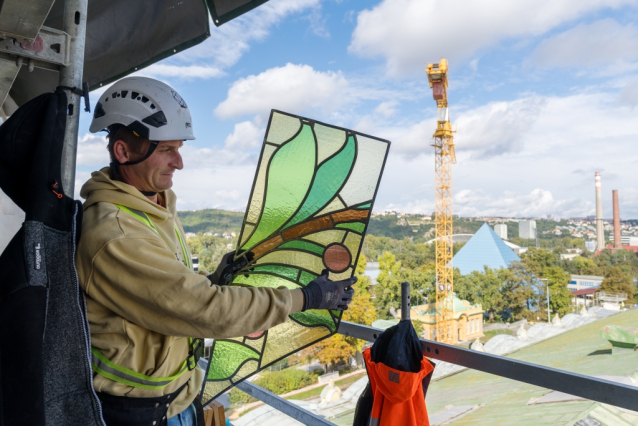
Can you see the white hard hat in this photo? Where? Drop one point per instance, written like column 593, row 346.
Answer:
column 149, row 108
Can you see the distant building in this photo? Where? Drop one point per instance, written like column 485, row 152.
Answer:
column 590, row 245
column 485, row 248
column 468, row 319
column 516, row 249
column 626, row 240
column 527, row 229
column 568, row 256
column 582, row 282
column 501, row 230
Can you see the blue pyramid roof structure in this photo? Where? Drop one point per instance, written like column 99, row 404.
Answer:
column 484, row 248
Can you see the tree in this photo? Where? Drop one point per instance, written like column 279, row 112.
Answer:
column 560, row 300
column 616, row 281
column 490, row 293
column 361, row 311
column 388, row 290
column 535, row 260
column 195, row 245
column 583, row 266
column 519, row 291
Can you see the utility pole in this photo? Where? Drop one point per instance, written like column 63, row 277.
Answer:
column 547, row 284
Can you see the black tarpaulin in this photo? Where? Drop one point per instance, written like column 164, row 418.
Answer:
column 223, row 11
column 124, row 36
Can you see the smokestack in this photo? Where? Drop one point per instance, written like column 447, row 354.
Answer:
column 600, row 232
column 617, row 240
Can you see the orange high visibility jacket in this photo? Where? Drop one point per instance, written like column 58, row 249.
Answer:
column 398, row 395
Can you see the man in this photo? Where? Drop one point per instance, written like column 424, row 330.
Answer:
column 147, row 309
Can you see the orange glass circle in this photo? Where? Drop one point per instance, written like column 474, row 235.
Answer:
column 337, row 258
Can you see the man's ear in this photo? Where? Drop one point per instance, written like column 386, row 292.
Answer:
column 121, row 151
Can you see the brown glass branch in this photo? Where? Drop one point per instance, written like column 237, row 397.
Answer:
column 327, row 221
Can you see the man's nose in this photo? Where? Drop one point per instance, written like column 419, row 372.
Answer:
column 176, row 161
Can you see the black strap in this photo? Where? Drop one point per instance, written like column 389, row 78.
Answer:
column 84, row 92
column 200, row 412
column 129, row 411
column 114, row 166
column 150, row 151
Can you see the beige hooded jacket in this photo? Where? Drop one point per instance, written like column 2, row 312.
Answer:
column 143, row 303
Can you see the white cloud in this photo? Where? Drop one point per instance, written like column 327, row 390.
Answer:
column 629, row 93
column 508, row 152
column 408, row 33
column 585, row 45
column 471, row 203
column 537, row 203
column 245, row 136
column 92, row 150
column 293, row 88
column 487, row 131
column 386, row 109
column 318, row 23
column 186, row 72
column 80, row 179
column 499, row 127
column 228, row 43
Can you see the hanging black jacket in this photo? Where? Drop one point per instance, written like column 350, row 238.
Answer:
column 45, row 372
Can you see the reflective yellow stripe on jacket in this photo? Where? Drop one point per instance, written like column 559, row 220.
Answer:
column 106, row 368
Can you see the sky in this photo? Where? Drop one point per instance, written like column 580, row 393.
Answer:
column 543, row 94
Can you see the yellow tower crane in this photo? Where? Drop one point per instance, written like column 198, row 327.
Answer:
column 444, row 157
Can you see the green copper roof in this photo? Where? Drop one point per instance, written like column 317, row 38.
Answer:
column 504, row 402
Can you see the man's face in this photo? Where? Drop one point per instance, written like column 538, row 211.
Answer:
column 156, row 172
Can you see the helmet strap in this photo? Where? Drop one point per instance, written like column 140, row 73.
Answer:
column 115, row 165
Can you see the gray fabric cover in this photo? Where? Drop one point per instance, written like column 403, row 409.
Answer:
column 68, row 383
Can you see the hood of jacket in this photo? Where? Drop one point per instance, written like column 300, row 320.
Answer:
column 101, row 188
column 396, row 386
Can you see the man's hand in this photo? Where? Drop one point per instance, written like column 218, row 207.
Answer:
column 324, row 294
column 228, row 266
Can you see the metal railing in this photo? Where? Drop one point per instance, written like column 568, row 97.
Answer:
column 592, row 388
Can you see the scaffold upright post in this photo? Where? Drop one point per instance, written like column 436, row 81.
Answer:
column 74, row 24
column 405, row 301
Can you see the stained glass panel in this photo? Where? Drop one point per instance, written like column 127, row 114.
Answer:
column 308, row 211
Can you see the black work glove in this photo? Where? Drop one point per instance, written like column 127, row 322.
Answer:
column 324, row 294
column 228, row 266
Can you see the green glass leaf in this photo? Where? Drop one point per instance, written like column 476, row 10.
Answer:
column 306, row 277
column 329, row 178
column 283, row 271
column 315, row 318
column 354, row 226
column 364, row 206
column 264, row 280
column 227, row 357
column 289, row 177
column 303, row 245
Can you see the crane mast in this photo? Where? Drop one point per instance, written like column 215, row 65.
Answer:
column 444, row 157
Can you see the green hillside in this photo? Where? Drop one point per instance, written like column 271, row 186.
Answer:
column 211, row 220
